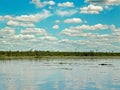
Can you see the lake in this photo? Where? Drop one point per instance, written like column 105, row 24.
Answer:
column 60, row 74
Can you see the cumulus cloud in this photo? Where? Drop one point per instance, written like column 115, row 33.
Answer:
column 57, row 21
column 55, row 27
column 73, row 20
column 48, row 38
column 66, row 4
column 112, row 2
column 92, row 27
column 66, row 13
column 91, row 9
column 34, row 31
column 95, row 39
column 35, row 17
column 40, row 4
column 28, row 18
column 116, row 31
column 23, row 24
column 1, row 18
column 23, row 37
column 105, row 2
column 78, row 30
column 74, row 33
column 26, row 40
column 7, row 31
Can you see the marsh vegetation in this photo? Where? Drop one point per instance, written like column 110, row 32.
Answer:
column 53, row 54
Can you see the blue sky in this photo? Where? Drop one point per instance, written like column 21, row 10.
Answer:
column 60, row 25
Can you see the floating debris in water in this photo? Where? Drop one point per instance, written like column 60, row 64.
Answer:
column 104, row 64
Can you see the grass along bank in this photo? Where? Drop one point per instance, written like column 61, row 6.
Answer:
column 49, row 54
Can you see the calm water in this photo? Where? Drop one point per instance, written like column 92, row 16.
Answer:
column 60, row 75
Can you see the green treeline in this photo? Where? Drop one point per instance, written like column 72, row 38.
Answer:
column 49, row 53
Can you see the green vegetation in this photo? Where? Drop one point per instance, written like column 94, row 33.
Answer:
column 49, row 53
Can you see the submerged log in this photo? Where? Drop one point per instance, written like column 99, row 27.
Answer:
column 104, row 64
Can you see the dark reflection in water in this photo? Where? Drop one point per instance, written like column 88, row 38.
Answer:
column 60, row 75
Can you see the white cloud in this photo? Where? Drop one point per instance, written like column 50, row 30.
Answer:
column 57, row 21
column 40, row 4
column 24, row 37
column 105, row 2
column 55, row 27
column 91, row 9
column 33, row 18
column 73, row 20
column 116, row 31
column 7, row 17
column 7, row 31
column 96, row 39
column 26, row 40
column 1, row 17
column 74, row 33
column 28, row 18
column 78, row 30
column 66, row 4
column 34, row 31
column 113, row 2
column 23, row 24
column 92, row 27
column 48, row 38
column 66, row 13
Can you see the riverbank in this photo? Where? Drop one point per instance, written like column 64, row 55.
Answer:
column 12, row 55
column 57, row 57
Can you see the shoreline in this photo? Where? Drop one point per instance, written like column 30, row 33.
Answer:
column 4, row 55
column 56, row 57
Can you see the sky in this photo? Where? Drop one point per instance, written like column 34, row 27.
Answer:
column 60, row 25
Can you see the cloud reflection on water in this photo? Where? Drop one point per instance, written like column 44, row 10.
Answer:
column 54, row 75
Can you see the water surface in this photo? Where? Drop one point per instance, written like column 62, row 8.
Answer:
column 60, row 74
